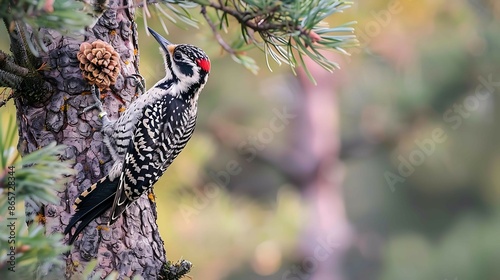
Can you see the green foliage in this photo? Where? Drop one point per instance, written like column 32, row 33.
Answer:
column 286, row 31
column 23, row 249
column 174, row 11
column 59, row 15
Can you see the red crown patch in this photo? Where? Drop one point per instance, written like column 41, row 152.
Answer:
column 204, row 64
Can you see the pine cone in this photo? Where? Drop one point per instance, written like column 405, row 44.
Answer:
column 100, row 63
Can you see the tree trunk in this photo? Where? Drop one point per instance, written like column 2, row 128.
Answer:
column 131, row 246
column 328, row 234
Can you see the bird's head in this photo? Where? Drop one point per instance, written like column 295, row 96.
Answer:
column 186, row 65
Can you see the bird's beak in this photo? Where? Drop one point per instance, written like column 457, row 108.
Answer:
column 164, row 43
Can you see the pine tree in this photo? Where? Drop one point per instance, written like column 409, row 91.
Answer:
column 44, row 74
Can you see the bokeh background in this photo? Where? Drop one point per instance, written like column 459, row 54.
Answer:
column 387, row 169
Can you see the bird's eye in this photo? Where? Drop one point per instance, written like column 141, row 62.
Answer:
column 177, row 56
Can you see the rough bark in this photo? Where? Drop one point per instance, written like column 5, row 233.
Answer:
column 131, row 246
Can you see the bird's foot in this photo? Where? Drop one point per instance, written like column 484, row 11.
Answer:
column 96, row 93
column 139, row 83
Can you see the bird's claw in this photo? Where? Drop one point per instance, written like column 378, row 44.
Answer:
column 139, row 82
column 95, row 93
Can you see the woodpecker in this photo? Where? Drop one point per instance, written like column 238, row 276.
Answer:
column 149, row 135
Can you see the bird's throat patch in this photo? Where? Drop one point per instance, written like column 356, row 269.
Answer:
column 204, row 64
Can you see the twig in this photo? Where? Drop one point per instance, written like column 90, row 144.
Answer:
column 218, row 37
column 10, row 67
column 9, row 80
column 260, row 26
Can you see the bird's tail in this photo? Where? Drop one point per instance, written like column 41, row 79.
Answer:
column 90, row 204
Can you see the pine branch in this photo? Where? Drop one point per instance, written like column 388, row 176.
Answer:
column 11, row 75
column 8, row 65
column 29, row 179
column 54, row 14
column 285, row 30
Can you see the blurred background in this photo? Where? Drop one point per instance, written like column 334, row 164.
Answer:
column 387, row 169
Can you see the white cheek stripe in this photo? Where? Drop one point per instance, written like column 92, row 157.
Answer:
column 185, row 81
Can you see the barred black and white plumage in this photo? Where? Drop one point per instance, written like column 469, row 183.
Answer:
column 145, row 140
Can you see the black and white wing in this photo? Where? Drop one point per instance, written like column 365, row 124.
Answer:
column 159, row 137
